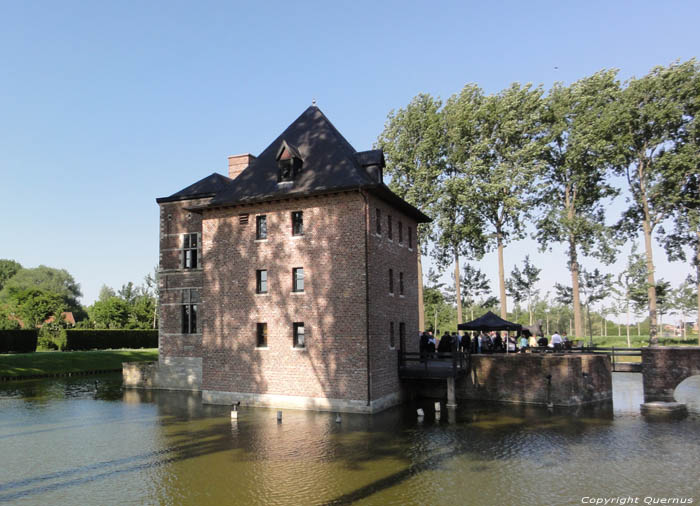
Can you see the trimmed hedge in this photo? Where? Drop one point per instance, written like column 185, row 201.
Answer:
column 18, row 341
column 89, row 339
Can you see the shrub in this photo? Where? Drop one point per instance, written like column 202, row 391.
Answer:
column 102, row 339
column 18, row 341
column 52, row 336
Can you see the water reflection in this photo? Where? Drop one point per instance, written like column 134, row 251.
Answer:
column 84, row 440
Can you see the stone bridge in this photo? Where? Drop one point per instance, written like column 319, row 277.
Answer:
column 663, row 368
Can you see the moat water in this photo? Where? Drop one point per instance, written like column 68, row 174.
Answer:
column 86, row 441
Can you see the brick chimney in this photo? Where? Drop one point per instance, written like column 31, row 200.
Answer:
column 237, row 163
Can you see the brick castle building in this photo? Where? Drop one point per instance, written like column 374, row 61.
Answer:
column 293, row 281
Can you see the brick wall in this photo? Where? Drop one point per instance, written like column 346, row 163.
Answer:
column 332, row 306
column 522, row 378
column 176, row 220
column 385, row 307
column 664, row 367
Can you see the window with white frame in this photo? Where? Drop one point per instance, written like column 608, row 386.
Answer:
column 190, row 302
column 190, row 244
column 299, row 335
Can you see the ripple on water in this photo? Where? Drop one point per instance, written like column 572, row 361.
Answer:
column 77, row 442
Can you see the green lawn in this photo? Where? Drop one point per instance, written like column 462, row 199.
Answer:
column 58, row 362
column 640, row 341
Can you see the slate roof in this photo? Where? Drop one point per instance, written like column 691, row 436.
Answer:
column 207, row 187
column 330, row 164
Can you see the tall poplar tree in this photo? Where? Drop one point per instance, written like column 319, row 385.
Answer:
column 574, row 185
column 503, row 163
column 413, row 144
column 459, row 225
column 681, row 171
column 651, row 120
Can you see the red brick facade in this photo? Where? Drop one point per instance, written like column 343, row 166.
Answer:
column 339, row 248
column 356, row 284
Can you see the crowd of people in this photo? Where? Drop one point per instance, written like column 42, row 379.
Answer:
column 489, row 342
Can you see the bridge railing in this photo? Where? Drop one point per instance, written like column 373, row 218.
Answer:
column 457, row 360
column 614, row 353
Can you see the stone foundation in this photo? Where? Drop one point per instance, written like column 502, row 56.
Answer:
column 565, row 379
column 171, row 373
column 298, row 402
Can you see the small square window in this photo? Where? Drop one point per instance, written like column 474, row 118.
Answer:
column 379, row 221
column 400, row 232
column 261, row 227
column 391, row 280
column 261, row 335
column 392, row 343
column 261, row 281
column 298, row 223
column 299, row 335
column 298, row 279
column 400, row 283
column 389, row 231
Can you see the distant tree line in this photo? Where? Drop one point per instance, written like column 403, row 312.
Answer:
column 484, row 167
column 39, row 297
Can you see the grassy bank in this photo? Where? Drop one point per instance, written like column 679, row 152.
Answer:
column 640, row 341
column 57, row 362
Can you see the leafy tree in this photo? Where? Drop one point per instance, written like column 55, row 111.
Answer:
column 459, row 229
column 128, row 293
column 8, row 268
column 151, row 289
column 132, row 307
column 521, row 285
column 106, row 293
column 650, row 120
column 595, row 286
column 412, row 142
column 685, row 299
column 503, row 162
column 564, row 296
column 7, row 322
column 631, row 286
column 56, row 281
column 474, row 285
column 664, row 299
column 682, row 181
column 574, row 182
column 439, row 313
column 112, row 313
column 33, row 306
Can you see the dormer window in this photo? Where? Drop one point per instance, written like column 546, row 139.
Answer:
column 289, row 162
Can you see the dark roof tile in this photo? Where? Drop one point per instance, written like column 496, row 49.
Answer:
column 207, row 187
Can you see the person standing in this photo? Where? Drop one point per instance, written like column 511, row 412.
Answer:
column 523, row 343
column 532, row 342
column 556, row 341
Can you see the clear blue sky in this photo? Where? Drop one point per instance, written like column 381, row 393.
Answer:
column 105, row 106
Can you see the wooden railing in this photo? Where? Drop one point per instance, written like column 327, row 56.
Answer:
column 434, row 364
column 615, row 353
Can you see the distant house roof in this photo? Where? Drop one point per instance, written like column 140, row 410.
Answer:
column 207, row 187
column 330, row 164
column 67, row 316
